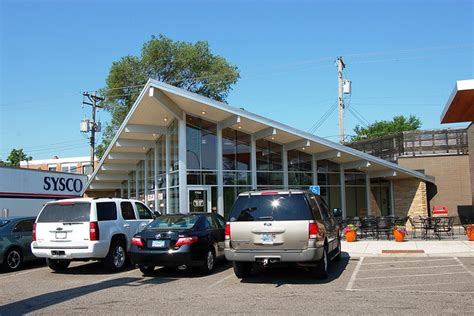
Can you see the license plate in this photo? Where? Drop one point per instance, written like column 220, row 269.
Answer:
column 158, row 243
column 61, row 235
column 266, row 238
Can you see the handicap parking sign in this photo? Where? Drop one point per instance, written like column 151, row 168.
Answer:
column 316, row 189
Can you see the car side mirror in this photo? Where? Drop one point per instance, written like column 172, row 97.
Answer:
column 337, row 212
column 156, row 215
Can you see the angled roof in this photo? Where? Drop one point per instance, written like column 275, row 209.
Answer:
column 460, row 105
column 159, row 102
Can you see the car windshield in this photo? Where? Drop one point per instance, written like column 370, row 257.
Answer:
column 65, row 212
column 174, row 222
column 3, row 222
column 279, row 207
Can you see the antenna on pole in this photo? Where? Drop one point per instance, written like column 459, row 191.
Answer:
column 340, row 93
column 91, row 126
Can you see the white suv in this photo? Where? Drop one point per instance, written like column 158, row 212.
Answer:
column 88, row 229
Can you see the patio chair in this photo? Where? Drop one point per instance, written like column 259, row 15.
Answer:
column 415, row 224
column 368, row 227
column 384, row 226
column 445, row 225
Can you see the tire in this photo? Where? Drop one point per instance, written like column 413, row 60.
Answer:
column 242, row 269
column 146, row 269
column 58, row 264
column 117, row 257
column 209, row 262
column 13, row 260
column 321, row 270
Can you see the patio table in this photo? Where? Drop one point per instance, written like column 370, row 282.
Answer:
column 429, row 224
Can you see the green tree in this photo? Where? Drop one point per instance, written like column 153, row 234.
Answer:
column 16, row 155
column 380, row 128
column 185, row 65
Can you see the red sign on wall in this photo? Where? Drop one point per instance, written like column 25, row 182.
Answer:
column 439, row 210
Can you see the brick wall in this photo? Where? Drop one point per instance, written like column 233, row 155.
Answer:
column 410, row 197
column 453, row 178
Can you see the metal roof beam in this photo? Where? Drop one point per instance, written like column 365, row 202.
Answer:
column 145, row 129
column 166, row 102
column 266, row 132
column 111, row 177
column 135, row 143
column 104, row 186
column 331, row 154
column 356, row 164
column 382, row 174
column 118, row 166
column 126, row 156
column 229, row 122
column 297, row 144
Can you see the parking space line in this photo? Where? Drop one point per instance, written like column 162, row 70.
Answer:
column 353, row 276
column 411, row 275
column 406, row 261
column 409, row 268
column 220, row 281
column 410, row 285
column 462, row 265
column 414, row 291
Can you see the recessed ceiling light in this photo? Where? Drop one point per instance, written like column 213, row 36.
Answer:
column 144, row 147
column 303, row 148
column 203, row 112
column 154, row 135
column 165, row 119
column 273, row 137
column 240, row 126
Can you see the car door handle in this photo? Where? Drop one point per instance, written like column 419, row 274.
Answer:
column 126, row 225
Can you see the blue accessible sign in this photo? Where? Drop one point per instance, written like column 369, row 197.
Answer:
column 316, row 189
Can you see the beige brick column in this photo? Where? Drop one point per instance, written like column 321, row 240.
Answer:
column 410, row 198
column 470, row 141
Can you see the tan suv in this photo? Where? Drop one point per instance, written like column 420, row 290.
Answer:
column 267, row 227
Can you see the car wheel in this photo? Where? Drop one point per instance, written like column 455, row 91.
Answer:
column 57, row 264
column 209, row 262
column 242, row 269
column 13, row 260
column 116, row 258
column 321, row 270
column 145, row 269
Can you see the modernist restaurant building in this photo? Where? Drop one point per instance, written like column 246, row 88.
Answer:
column 182, row 152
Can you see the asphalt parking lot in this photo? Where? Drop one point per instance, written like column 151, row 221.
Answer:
column 370, row 285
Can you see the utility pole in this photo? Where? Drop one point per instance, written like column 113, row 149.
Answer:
column 94, row 127
column 340, row 67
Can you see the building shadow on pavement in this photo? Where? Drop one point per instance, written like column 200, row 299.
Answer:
column 39, row 302
column 291, row 274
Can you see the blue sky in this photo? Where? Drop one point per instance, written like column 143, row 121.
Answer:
column 403, row 57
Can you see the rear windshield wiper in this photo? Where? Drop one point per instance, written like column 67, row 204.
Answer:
column 270, row 218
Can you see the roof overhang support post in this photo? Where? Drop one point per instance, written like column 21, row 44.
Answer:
column 356, row 164
column 298, row 144
column 368, row 194
column 342, row 178
column 331, row 154
column 264, row 133
column 126, row 156
column 145, row 129
column 118, row 167
column 135, row 143
column 171, row 107
column 382, row 174
column 229, row 122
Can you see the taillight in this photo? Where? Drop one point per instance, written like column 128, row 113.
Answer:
column 186, row 241
column 34, row 232
column 313, row 230
column 94, row 231
column 227, row 231
column 137, row 241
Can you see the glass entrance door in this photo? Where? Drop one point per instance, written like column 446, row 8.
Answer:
column 199, row 199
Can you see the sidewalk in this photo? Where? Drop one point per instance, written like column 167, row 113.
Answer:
column 423, row 248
